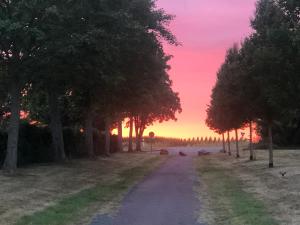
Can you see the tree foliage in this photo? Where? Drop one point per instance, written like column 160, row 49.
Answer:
column 259, row 81
column 78, row 63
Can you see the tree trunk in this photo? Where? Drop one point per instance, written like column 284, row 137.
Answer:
column 10, row 163
column 137, row 127
column 120, row 136
column 251, row 142
column 141, row 134
column 88, row 134
column 271, row 163
column 138, row 143
column 107, row 136
column 237, row 143
column 228, row 142
column 139, row 131
column 138, row 139
column 223, row 142
column 56, row 127
column 130, row 149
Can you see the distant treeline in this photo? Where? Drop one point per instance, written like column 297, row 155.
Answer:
column 186, row 141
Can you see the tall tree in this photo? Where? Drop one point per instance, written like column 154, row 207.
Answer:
column 226, row 111
column 271, row 61
column 19, row 41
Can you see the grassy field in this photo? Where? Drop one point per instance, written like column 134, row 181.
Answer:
column 71, row 193
column 240, row 192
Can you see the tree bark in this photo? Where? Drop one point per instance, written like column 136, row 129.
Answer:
column 223, row 142
column 139, row 131
column 141, row 134
column 56, row 127
column 228, row 142
column 88, row 134
column 107, row 136
column 237, row 143
column 138, row 143
column 138, row 146
column 130, row 149
column 251, row 142
column 10, row 162
column 120, row 136
column 271, row 162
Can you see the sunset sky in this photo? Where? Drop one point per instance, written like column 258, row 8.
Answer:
column 206, row 28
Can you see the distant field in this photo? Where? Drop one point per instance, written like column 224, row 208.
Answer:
column 71, row 193
column 237, row 191
column 160, row 145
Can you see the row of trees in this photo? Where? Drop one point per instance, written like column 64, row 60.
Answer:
column 166, row 141
column 207, row 140
column 259, row 81
column 85, row 64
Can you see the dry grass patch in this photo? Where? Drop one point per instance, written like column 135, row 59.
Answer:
column 40, row 187
column 279, row 194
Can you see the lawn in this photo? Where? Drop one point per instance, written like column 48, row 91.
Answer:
column 240, row 192
column 70, row 193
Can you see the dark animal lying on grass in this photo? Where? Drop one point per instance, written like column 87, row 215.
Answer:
column 164, row 152
column 182, row 154
column 203, row 152
column 283, row 173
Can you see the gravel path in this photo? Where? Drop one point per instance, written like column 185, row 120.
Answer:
column 166, row 197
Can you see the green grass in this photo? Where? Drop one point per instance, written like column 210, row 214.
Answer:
column 72, row 208
column 231, row 205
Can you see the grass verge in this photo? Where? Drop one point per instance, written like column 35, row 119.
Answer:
column 227, row 203
column 72, row 209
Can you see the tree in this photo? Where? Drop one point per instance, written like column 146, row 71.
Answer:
column 135, row 41
column 281, row 34
column 223, row 143
column 266, row 59
column 237, row 143
column 149, row 95
column 161, row 105
column 73, row 62
column 271, row 60
column 130, row 148
column 226, row 111
column 53, row 69
column 228, row 142
column 19, row 41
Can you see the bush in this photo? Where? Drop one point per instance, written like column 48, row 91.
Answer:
column 73, row 140
column 99, row 144
column 35, row 144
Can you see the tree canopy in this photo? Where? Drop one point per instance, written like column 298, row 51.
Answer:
column 77, row 62
column 259, row 79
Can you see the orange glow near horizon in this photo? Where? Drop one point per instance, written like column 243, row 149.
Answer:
column 206, row 29
column 166, row 130
column 170, row 129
